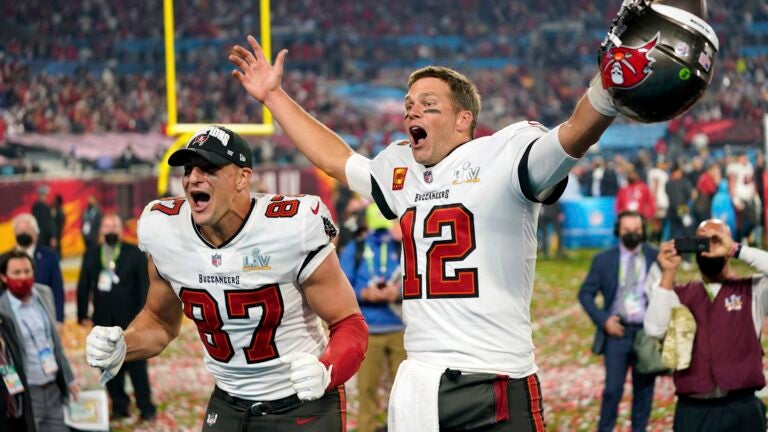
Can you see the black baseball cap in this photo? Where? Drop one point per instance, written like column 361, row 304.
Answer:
column 216, row 144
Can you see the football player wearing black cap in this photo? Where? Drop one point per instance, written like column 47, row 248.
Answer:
column 256, row 274
column 217, row 177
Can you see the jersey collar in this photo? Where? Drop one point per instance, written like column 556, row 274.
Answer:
column 229, row 240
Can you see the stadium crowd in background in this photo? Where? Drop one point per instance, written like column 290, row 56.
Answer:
column 97, row 92
column 694, row 182
column 108, row 86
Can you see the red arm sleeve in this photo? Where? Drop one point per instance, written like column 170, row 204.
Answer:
column 346, row 348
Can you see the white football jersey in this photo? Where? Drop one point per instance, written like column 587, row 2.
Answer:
column 245, row 296
column 469, row 249
column 744, row 180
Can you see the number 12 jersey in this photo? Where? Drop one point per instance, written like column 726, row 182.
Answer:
column 469, row 249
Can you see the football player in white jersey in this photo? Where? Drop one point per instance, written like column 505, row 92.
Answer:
column 256, row 274
column 468, row 208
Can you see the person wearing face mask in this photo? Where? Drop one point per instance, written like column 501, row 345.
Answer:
column 29, row 306
column 620, row 275
column 47, row 263
column 114, row 277
column 717, row 391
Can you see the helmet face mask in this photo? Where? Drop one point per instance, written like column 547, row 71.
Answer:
column 656, row 61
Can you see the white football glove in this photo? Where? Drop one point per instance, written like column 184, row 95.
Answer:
column 600, row 99
column 105, row 349
column 309, row 376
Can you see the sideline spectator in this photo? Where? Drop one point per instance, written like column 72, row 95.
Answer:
column 550, row 227
column 91, row 222
column 741, row 185
column 680, row 193
column 47, row 264
column 657, row 183
column 114, row 277
column 30, row 305
column 717, row 391
column 722, row 206
column 760, row 186
column 706, row 186
column 602, row 179
column 635, row 195
column 351, row 213
column 620, row 275
column 42, row 212
column 373, row 268
column 59, row 221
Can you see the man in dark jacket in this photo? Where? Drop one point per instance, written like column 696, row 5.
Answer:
column 29, row 306
column 620, row 274
column 41, row 210
column 114, row 276
column 680, row 192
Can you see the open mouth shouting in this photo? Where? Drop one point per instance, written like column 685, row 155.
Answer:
column 418, row 134
column 199, row 200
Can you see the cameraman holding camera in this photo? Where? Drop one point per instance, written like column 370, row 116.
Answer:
column 717, row 391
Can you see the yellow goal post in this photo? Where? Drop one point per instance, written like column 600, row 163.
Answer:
column 184, row 131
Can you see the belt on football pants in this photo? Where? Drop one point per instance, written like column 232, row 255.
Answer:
column 259, row 408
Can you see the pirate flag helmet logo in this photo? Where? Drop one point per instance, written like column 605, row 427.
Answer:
column 657, row 60
column 626, row 67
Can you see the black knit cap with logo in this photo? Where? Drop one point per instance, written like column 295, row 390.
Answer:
column 216, row 144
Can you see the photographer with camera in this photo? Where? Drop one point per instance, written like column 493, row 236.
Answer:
column 717, row 391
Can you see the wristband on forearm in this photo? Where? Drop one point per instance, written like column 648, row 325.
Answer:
column 346, row 349
column 599, row 98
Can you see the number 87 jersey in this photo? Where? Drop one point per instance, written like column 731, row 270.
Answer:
column 469, row 248
column 245, row 296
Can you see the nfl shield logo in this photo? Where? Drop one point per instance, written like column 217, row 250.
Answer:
column 428, row 176
column 216, row 260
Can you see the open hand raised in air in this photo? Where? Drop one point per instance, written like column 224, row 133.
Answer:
column 254, row 72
